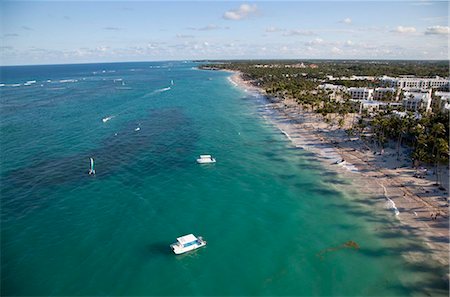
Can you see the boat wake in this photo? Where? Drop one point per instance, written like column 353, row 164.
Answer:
column 157, row 92
column 162, row 90
column 107, row 119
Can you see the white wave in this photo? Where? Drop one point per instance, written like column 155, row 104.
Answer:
column 350, row 167
column 2, row 85
column 107, row 119
column 137, row 129
column 389, row 203
column 29, row 83
column 286, row 134
column 13, row 85
column 68, row 80
column 232, row 82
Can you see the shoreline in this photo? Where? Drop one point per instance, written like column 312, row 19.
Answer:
column 413, row 201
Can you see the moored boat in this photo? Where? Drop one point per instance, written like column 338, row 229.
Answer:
column 204, row 159
column 187, row 243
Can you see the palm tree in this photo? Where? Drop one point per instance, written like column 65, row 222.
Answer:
column 437, row 130
column 441, row 155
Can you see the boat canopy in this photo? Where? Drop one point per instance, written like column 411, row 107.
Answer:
column 205, row 156
column 187, row 239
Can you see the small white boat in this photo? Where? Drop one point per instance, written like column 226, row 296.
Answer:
column 187, row 243
column 204, row 159
column 91, row 169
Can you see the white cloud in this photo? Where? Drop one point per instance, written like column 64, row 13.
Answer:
column 112, row 28
column 242, row 12
column 437, row 30
column 273, row 29
column 401, row 29
column 299, row 33
column 207, row 28
column 316, row 41
column 336, row 50
column 347, row 21
column 184, row 36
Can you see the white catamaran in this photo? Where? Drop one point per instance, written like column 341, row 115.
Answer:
column 187, row 243
column 92, row 170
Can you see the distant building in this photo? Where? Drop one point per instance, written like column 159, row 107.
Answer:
column 356, row 77
column 361, row 93
column 414, row 101
column 334, row 91
column 384, row 93
column 372, row 105
column 443, row 100
column 332, row 87
column 415, row 82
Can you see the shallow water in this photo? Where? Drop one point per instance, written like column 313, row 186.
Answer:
column 275, row 220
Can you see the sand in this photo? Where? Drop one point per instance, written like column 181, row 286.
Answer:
column 413, row 200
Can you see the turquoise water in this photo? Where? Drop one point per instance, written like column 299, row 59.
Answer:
column 269, row 211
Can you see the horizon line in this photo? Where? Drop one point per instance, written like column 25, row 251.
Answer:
column 240, row 59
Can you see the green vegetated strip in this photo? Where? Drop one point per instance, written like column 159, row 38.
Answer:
column 427, row 133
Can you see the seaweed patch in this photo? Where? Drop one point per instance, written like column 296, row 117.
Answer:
column 346, row 245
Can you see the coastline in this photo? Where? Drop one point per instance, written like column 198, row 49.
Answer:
column 413, row 201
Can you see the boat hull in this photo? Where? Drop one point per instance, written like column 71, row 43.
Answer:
column 181, row 250
column 201, row 161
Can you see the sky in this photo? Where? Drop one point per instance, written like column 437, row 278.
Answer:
column 62, row 32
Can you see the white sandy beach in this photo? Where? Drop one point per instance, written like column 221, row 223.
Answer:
column 412, row 200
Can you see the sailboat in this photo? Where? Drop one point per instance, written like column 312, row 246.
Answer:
column 92, row 170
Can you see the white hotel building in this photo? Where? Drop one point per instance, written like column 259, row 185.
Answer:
column 381, row 93
column 414, row 82
column 416, row 100
column 361, row 93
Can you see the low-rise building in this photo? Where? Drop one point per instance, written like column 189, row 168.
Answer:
column 387, row 94
column 414, row 101
column 415, row 82
column 443, row 101
column 361, row 93
column 334, row 91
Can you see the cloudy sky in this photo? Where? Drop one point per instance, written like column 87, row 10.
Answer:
column 54, row 32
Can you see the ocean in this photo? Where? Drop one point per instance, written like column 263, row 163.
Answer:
column 277, row 221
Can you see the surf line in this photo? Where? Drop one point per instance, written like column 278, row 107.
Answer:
column 389, row 201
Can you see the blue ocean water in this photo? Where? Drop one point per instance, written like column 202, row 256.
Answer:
column 275, row 222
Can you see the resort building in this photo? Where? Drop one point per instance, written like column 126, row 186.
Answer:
column 441, row 101
column 334, row 91
column 361, row 93
column 414, row 82
column 371, row 105
column 387, row 94
column 414, row 101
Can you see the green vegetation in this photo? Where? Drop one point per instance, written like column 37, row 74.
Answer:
column 426, row 134
column 339, row 68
